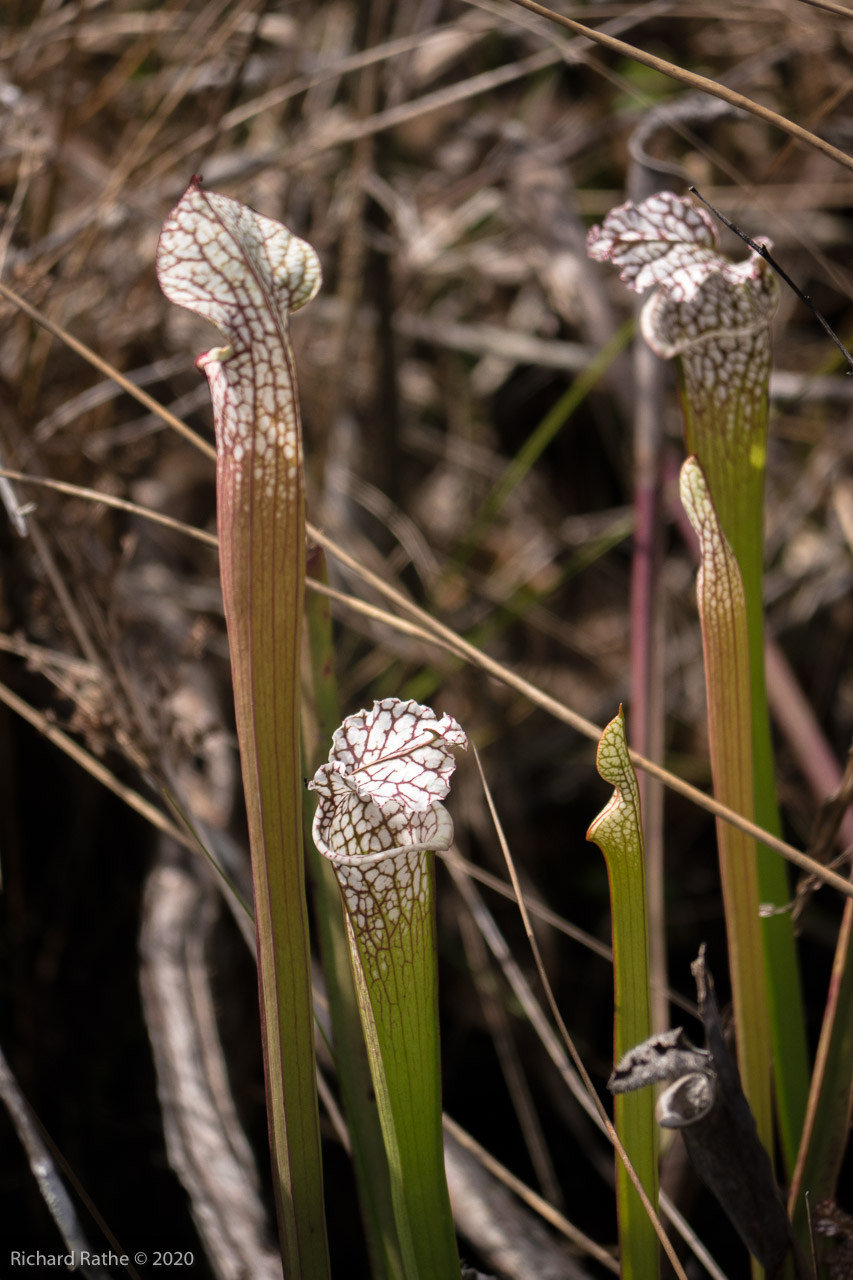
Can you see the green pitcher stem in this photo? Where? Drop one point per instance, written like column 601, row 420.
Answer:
column 379, row 820
column 722, row 610
column 734, row 463
column 398, row 998
column 618, row 831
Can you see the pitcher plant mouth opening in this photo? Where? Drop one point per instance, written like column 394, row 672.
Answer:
column 387, row 773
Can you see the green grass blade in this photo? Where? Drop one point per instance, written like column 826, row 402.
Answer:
column 618, row 832
column 538, row 440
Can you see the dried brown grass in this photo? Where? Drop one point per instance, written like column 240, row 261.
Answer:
column 444, row 159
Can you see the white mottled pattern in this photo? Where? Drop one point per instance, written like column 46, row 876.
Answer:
column 381, row 901
column 244, row 273
column 380, row 793
column 719, row 584
column 712, row 312
column 666, row 239
column 614, row 764
column 349, row 826
column 397, row 750
column 727, row 384
column 736, row 298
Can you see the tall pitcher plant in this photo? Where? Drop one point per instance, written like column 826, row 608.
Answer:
column 246, row 273
column 713, row 315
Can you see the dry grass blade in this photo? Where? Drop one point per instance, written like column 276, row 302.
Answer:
column 104, row 776
column 693, row 81
column 541, row 1206
column 829, row 7
column 434, row 633
column 567, row 1038
column 103, row 366
column 41, row 1160
column 110, row 500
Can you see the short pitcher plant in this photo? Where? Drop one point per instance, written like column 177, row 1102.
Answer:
column 380, row 819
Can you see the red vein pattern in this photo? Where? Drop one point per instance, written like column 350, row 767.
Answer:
column 379, row 811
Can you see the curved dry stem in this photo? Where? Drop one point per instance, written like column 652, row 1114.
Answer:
column 693, row 81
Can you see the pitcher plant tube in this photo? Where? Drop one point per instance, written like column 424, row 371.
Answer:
column 618, row 832
column 380, row 819
column 714, row 316
column 321, row 716
column 722, row 611
column 245, row 273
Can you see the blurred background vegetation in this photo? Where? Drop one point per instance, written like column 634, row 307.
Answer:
column 445, row 158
